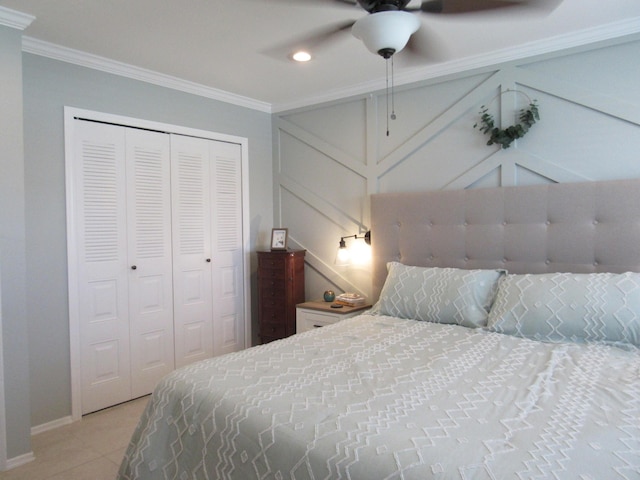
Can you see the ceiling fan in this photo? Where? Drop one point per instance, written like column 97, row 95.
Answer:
column 389, row 25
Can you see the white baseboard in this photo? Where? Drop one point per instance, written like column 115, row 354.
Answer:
column 29, row 457
column 51, row 425
column 20, row 460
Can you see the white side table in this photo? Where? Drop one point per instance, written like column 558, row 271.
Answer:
column 310, row 315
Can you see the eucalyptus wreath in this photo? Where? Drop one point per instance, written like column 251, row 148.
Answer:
column 505, row 136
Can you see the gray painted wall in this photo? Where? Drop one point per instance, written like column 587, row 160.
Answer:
column 15, row 346
column 49, row 85
column 328, row 159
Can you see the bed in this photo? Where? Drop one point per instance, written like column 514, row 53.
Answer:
column 504, row 344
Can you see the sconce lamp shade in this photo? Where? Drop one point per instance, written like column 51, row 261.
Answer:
column 343, row 257
column 360, row 254
column 387, row 32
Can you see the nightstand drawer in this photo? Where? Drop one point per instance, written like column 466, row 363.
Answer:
column 309, row 320
column 310, row 315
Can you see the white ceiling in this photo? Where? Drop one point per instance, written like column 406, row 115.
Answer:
column 240, row 47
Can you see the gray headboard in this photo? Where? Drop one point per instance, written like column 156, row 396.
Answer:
column 569, row 227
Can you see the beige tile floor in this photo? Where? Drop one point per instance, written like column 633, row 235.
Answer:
column 90, row 449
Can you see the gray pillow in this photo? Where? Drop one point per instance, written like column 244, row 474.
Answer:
column 561, row 307
column 439, row 295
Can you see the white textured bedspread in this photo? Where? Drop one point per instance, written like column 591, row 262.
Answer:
column 376, row 397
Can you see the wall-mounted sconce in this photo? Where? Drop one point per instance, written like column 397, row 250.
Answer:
column 357, row 253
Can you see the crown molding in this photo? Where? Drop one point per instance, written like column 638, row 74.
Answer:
column 532, row 49
column 537, row 48
column 15, row 19
column 78, row 57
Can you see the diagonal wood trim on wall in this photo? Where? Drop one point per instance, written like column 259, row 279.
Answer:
column 589, row 130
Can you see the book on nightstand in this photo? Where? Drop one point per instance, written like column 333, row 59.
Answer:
column 350, row 299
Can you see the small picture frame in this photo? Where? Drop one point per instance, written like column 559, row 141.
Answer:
column 279, row 238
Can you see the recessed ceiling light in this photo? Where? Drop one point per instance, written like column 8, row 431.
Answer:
column 301, row 56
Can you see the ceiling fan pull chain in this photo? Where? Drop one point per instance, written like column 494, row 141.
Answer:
column 393, row 104
column 387, row 93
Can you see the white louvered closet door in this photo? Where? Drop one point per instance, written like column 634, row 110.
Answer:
column 125, row 274
column 100, row 206
column 149, row 258
column 226, row 239
column 156, row 257
column 191, row 207
column 208, row 257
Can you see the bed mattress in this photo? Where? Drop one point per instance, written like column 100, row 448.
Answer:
column 377, row 397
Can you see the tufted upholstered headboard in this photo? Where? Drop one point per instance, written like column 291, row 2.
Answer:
column 569, row 227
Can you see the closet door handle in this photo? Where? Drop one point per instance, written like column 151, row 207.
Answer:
column 133, row 267
column 208, row 260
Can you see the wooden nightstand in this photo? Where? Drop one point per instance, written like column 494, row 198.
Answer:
column 310, row 315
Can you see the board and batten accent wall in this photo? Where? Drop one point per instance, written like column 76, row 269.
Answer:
column 330, row 158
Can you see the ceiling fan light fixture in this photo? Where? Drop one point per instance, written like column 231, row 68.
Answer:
column 385, row 33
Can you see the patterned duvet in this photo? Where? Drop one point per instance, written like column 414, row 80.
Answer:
column 376, row 397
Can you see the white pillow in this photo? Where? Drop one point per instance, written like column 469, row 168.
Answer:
column 561, row 307
column 439, row 295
